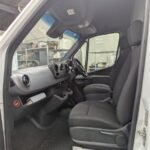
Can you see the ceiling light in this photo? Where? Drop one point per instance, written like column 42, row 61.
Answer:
column 71, row 12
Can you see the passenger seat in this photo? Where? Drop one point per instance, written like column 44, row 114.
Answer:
column 98, row 125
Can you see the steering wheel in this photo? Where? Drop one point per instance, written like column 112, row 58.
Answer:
column 79, row 69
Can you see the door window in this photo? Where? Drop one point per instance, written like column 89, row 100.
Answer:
column 102, row 51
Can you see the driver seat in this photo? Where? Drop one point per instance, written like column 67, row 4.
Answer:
column 106, row 125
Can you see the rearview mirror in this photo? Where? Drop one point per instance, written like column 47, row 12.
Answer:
column 55, row 31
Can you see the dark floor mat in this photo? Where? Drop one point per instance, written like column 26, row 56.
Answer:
column 58, row 139
column 28, row 137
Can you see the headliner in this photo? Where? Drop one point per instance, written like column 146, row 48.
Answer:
column 93, row 16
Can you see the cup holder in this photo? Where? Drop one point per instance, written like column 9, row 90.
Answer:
column 62, row 97
column 63, row 94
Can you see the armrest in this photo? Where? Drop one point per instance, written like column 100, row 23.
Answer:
column 97, row 92
column 97, row 88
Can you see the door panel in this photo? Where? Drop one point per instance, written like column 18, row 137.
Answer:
column 105, row 71
column 101, row 76
column 92, row 79
column 102, row 79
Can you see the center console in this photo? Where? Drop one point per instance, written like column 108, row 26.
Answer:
column 59, row 70
column 58, row 96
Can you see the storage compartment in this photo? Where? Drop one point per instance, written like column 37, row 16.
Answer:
column 24, row 106
column 59, row 98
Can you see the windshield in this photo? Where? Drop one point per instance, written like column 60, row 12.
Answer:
column 39, row 49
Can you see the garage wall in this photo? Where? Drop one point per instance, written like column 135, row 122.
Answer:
column 138, row 10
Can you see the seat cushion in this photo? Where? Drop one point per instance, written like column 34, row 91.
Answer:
column 94, row 114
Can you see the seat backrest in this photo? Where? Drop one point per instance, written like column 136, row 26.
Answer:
column 125, row 86
column 124, row 51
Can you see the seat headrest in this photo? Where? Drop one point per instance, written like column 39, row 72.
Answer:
column 135, row 33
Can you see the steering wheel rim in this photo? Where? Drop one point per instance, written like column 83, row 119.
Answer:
column 78, row 67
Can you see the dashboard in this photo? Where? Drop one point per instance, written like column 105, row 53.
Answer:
column 31, row 80
column 32, row 87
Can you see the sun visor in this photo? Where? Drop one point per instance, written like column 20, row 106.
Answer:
column 73, row 12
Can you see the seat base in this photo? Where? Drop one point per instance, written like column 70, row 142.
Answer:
column 96, row 138
column 94, row 125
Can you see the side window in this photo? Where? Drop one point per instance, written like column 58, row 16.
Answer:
column 102, row 51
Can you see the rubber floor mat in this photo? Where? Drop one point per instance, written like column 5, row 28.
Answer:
column 28, row 137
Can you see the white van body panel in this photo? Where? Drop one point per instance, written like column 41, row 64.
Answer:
column 142, row 136
column 144, row 116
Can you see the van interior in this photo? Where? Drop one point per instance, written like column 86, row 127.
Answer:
column 74, row 76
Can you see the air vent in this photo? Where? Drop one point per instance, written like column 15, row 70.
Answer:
column 26, row 80
column 56, row 67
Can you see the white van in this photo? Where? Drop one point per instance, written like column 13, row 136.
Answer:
column 75, row 75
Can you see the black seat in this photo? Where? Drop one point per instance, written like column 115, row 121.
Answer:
column 91, row 114
column 105, row 125
column 103, row 91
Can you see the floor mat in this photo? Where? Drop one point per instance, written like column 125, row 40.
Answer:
column 28, row 137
